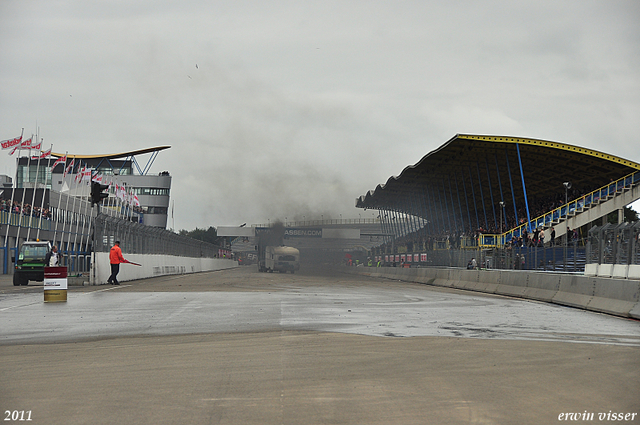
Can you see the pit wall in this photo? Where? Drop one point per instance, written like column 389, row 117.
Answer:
column 620, row 297
column 154, row 265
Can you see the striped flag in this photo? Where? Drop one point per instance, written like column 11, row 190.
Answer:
column 10, row 143
column 69, row 168
column 61, row 160
column 25, row 144
column 43, row 155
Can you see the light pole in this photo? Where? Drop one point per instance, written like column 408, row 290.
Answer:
column 567, row 186
column 501, row 211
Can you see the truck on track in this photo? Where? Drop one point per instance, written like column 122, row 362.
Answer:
column 279, row 258
column 30, row 262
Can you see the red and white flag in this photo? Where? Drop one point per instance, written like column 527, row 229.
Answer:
column 43, row 155
column 69, row 168
column 37, row 146
column 25, row 144
column 79, row 173
column 86, row 175
column 11, row 143
column 136, row 201
column 61, row 160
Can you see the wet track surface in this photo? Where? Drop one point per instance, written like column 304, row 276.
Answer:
column 243, row 300
column 242, row 347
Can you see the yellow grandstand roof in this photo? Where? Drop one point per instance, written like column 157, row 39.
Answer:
column 113, row 155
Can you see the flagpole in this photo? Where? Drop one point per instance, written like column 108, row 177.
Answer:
column 23, row 192
column 110, row 208
column 64, row 168
column 81, row 197
column 73, row 208
column 85, row 219
column 122, row 206
column 13, row 192
column 66, row 208
column 44, row 190
column 35, row 186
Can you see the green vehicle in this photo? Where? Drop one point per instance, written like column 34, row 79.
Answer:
column 30, row 263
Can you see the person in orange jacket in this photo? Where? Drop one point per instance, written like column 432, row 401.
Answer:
column 115, row 258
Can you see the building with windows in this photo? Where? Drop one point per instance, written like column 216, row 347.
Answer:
column 153, row 190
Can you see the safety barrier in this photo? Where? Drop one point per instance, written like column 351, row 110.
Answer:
column 154, row 266
column 620, row 297
column 617, row 271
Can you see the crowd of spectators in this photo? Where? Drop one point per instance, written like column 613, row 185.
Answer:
column 424, row 239
column 25, row 209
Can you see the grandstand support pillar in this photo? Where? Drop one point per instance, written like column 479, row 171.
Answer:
column 427, row 211
column 415, row 211
column 423, row 207
column 484, row 208
column 453, row 207
column 393, row 219
column 442, row 208
column 459, row 204
column 412, row 223
column 466, row 201
column 621, row 216
column 475, row 203
column 493, row 206
column 434, row 211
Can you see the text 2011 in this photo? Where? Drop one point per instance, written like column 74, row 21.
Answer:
column 17, row 415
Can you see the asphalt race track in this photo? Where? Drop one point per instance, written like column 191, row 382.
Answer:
column 242, row 347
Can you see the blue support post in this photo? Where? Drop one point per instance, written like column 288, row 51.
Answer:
column 524, row 188
column 513, row 195
column 499, row 183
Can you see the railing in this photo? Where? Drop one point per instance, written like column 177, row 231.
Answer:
column 568, row 258
column 16, row 219
column 307, row 223
column 563, row 212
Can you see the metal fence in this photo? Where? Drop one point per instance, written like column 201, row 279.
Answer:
column 137, row 238
column 571, row 256
column 606, row 244
column 614, row 244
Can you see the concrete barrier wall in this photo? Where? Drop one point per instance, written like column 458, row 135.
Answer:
column 619, row 271
column 620, row 297
column 155, row 265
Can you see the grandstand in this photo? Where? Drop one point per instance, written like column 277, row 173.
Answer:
column 485, row 192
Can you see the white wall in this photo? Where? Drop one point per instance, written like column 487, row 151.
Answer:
column 154, row 265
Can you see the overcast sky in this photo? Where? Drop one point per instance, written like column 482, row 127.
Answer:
column 295, row 108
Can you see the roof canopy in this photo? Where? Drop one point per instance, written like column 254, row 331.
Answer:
column 470, row 174
column 113, row 155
